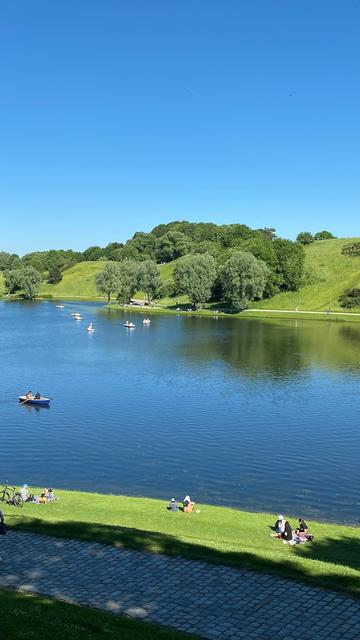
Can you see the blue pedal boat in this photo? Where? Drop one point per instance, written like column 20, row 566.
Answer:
column 40, row 402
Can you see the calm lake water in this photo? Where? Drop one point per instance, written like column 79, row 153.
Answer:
column 262, row 415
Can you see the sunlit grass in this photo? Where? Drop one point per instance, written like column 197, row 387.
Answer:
column 215, row 534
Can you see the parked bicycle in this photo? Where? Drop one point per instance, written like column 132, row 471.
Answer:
column 11, row 496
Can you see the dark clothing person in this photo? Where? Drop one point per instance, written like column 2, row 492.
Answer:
column 302, row 525
column 287, row 535
column 37, row 396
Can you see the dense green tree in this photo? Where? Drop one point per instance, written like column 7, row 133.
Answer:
column 55, row 274
column 269, row 232
column 93, row 253
column 208, row 246
column 141, row 246
column 29, row 281
column 324, row 235
column 290, row 264
column 35, row 259
column 12, row 280
column 113, row 251
column 230, row 234
column 128, row 280
column 195, row 276
column 243, row 279
column 172, row 245
column 8, row 260
column 305, row 237
column 149, row 279
column 108, row 281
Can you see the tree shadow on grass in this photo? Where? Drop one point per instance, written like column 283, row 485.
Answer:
column 343, row 552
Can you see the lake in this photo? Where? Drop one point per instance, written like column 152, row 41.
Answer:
column 256, row 414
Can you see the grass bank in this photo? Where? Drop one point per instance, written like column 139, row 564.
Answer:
column 248, row 313
column 215, row 534
column 32, row 617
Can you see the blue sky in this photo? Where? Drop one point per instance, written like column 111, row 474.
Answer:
column 116, row 116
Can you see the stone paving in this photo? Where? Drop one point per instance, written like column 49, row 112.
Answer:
column 211, row 601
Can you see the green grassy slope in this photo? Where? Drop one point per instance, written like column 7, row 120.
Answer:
column 335, row 273
column 212, row 534
column 77, row 282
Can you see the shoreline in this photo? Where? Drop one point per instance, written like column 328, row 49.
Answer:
column 213, row 534
column 252, row 313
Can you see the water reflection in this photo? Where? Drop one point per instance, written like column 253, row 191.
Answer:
column 281, row 348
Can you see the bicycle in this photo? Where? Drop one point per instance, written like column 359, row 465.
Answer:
column 11, row 496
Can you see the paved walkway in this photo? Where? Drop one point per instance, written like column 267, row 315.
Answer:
column 220, row 602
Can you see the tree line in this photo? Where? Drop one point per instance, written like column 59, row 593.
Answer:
column 230, row 263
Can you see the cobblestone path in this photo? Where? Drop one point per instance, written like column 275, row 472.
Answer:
column 220, row 602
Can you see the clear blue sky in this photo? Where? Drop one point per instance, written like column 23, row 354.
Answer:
column 116, row 116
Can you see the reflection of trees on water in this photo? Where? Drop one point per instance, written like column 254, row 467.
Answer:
column 283, row 348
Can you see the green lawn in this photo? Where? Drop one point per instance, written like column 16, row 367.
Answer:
column 33, row 617
column 216, row 534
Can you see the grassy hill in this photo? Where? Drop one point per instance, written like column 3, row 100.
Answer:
column 77, row 282
column 333, row 272
column 330, row 271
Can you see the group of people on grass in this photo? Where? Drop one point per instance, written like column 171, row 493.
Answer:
column 46, row 496
column 187, row 505
column 288, row 535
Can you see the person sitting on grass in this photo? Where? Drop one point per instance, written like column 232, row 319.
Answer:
column 49, row 494
column 172, row 506
column 285, row 534
column 303, row 528
column 188, row 505
column 280, row 524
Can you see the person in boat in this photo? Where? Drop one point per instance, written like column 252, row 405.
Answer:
column 37, row 396
column 29, row 395
column 172, row 506
column 188, row 505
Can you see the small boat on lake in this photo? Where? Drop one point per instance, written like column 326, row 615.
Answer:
column 91, row 328
column 146, row 321
column 40, row 402
column 129, row 325
column 60, row 306
column 77, row 317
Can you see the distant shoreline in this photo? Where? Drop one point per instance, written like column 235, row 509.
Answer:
column 281, row 314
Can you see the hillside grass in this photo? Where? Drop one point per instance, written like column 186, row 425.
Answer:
column 335, row 273
column 23, row 615
column 77, row 282
column 211, row 534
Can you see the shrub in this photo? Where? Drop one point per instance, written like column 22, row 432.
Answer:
column 351, row 298
column 352, row 249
